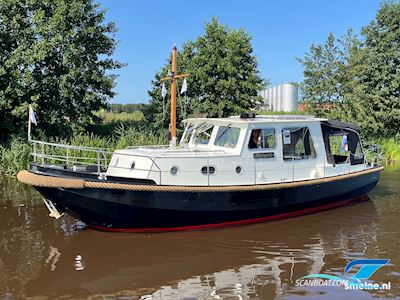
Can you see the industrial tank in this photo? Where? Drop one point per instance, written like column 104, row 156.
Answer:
column 283, row 97
column 269, row 99
column 274, row 95
column 278, row 98
column 289, row 97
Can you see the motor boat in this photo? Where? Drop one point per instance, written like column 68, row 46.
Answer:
column 224, row 172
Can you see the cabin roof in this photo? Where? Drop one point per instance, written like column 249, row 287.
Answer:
column 258, row 119
column 342, row 125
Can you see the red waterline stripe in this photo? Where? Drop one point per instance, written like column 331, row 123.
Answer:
column 233, row 223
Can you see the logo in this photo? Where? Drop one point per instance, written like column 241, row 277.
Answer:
column 367, row 268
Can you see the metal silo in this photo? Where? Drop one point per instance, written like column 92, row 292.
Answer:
column 269, row 95
column 289, row 94
column 274, row 98
column 279, row 98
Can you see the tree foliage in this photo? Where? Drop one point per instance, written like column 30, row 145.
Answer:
column 55, row 55
column 224, row 79
column 358, row 79
column 380, row 78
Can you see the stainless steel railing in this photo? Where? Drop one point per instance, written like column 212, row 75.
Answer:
column 373, row 155
column 73, row 157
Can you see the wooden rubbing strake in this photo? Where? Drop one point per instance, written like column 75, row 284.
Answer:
column 71, row 183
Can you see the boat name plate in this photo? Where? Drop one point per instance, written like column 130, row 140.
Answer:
column 264, row 155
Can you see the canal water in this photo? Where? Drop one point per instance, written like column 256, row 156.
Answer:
column 44, row 258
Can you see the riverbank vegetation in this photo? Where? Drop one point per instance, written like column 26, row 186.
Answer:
column 17, row 155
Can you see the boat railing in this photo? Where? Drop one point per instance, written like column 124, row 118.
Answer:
column 373, row 155
column 94, row 160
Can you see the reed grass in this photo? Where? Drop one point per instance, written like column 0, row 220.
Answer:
column 391, row 150
column 17, row 155
column 14, row 157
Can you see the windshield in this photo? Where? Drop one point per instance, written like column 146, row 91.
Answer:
column 187, row 134
column 227, row 136
column 202, row 134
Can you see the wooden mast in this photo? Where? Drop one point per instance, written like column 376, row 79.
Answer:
column 173, row 76
column 173, row 98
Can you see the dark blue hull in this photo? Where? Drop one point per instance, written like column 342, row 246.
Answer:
column 124, row 210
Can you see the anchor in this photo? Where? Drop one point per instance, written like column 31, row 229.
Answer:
column 54, row 213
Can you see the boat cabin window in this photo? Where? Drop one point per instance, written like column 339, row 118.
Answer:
column 263, row 138
column 340, row 151
column 342, row 143
column 339, row 147
column 187, row 134
column 202, row 134
column 358, row 153
column 227, row 136
column 297, row 143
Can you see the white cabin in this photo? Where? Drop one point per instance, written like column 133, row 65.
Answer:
column 246, row 151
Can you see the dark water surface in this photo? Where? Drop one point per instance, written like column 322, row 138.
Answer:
column 44, row 258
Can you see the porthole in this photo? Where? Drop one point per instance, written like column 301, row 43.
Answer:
column 133, row 165
column 204, row 170
column 174, row 171
column 211, row 170
column 208, row 170
column 239, row 170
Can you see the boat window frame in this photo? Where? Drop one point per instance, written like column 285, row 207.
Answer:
column 333, row 153
column 327, row 129
column 196, row 130
column 230, row 126
column 312, row 156
column 191, row 127
column 263, row 140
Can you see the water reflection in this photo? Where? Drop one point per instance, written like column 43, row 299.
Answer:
column 38, row 255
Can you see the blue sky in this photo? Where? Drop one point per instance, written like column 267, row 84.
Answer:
column 281, row 30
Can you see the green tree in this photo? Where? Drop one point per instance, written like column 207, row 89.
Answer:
column 325, row 72
column 380, row 79
column 358, row 80
column 55, row 55
column 224, row 79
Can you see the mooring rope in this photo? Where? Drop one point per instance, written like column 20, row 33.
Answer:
column 72, row 183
